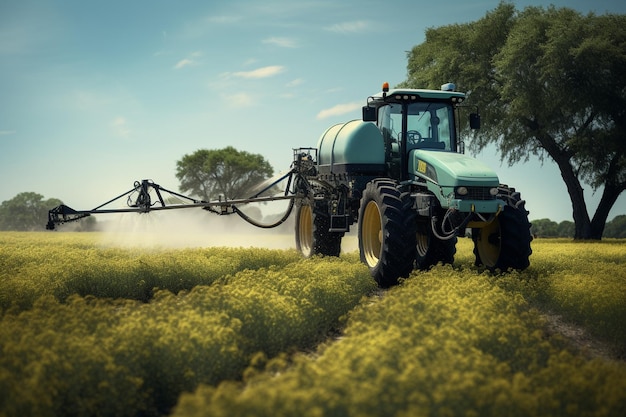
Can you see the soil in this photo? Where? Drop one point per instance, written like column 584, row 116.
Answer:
column 580, row 339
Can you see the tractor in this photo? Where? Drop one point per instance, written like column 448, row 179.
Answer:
column 400, row 173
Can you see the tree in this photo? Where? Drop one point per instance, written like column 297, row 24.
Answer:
column 549, row 228
column 544, row 228
column 566, row 229
column 550, row 83
column 616, row 228
column 229, row 172
column 26, row 212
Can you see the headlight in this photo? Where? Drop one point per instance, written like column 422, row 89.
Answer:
column 493, row 191
column 461, row 190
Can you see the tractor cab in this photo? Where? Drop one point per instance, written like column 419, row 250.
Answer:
column 411, row 119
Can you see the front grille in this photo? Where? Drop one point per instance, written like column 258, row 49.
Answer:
column 477, row 193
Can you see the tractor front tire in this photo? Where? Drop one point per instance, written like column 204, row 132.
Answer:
column 387, row 232
column 312, row 235
column 505, row 242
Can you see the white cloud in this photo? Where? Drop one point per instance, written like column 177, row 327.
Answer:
column 282, row 42
column 238, row 99
column 190, row 60
column 120, row 127
column 295, row 83
column 183, row 63
column 250, row 61
column 339, row 109
column 349, row 27
column 263, row 72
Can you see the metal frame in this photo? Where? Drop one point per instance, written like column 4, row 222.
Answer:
column 297, row 187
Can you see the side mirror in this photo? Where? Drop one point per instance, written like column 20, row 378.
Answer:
column 369, row 114
column 474, row 119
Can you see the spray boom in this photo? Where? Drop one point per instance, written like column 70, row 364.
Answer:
column 146, row 196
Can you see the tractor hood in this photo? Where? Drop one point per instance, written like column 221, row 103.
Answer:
column 450, row 169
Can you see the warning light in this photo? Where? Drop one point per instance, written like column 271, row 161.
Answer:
column 385, row 87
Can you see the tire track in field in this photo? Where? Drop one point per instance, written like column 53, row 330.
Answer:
column 579, row 337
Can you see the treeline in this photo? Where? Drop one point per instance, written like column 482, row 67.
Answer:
column 615, row 228
column 26, row 211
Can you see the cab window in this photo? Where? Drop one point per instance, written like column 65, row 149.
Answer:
column 429, row 126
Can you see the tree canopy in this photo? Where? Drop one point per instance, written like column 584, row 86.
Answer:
column 550, row 83
column 228, row 172
column 26, row 211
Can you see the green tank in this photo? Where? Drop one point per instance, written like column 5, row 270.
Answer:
column 355, row 146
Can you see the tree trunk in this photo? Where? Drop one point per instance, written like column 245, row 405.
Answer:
column 582, row 223
column 608, row 199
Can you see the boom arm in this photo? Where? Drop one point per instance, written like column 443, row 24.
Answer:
column 140, row 198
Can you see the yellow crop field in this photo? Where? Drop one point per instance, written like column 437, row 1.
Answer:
column 97, row 330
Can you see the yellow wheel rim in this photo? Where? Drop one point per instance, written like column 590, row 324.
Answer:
column 305, row 230
column 372, row 234
column 488, row 243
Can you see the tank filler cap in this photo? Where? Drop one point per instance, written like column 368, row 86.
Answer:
column 448, row 87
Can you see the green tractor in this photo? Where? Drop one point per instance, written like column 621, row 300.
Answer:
column 401, row 174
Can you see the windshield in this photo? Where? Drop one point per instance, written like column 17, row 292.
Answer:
column 429, row 125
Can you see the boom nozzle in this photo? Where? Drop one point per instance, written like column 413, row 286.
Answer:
column 63, row 214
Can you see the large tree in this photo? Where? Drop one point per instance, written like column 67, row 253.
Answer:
column 550, row 83
column 228, row 172
column 26, row 212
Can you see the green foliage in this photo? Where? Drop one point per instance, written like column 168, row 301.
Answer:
column 69, row 263
column 448, row 342
column 222, row 335
column 25, row 212
column 585, row 282
column 616, row 228
column 549, row 83
column 209, row 173
column 549, row 228
column 91, row 356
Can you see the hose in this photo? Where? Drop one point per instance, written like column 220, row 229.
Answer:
column 266, row 226
column 451, row 233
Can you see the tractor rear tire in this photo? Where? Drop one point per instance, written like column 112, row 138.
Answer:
column 312, row 235
column 505, row 242
column 432, row 250
column 387, row 232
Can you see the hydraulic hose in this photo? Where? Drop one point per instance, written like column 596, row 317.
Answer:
column 266, row 226
column 447, row 235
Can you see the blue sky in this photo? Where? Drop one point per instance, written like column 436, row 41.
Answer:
column 97, row 94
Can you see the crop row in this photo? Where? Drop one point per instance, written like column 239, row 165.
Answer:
column 445, row 343
column 92, row 330
column 37, row 264
column 92, row 356
column 584, row 282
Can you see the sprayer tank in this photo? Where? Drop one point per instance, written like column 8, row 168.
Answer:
column 351, row 147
